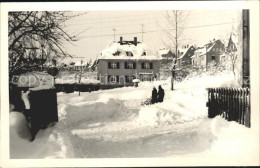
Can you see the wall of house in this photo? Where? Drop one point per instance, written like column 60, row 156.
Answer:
column 186, row 60
column 216, row 53
column 104, row 71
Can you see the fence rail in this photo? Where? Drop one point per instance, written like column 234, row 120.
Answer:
column 231, row 103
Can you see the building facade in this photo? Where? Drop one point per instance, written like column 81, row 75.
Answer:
column 185, row 54
column 123, row 61
column 210, row 52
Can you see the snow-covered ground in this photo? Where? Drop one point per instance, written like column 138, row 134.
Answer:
column 113, row 124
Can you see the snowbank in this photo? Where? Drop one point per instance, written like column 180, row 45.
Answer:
column 233, row 139
column 49, row 143
column 208, row 81
column 112, row 124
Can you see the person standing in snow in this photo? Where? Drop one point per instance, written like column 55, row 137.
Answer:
column 160, row 94
column 154, row 96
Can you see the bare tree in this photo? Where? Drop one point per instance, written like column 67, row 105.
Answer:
column 176, row 20
column 32, row 31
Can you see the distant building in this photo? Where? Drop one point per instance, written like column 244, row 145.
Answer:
column 232, row 43
column 80, row 65
column 165, row 54
column 123, row 61
column 208, row 53
column 184, row 55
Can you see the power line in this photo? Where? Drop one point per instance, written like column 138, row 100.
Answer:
column 152, row 31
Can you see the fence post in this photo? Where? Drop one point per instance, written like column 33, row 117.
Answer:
column 230, row 105
column 226, row 103
column 247, row 111
column 217, row 102
column 221, row 101
column 239, row 105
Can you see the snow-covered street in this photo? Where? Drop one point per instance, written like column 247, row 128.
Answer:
column 113, row 124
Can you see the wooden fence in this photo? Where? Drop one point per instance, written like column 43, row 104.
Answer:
column 232, row 104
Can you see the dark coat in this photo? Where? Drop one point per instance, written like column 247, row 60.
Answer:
column 154, row 96
column 160, row 94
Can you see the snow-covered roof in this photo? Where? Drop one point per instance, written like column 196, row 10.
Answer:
column 193, row 56
column 69, row 60
column 84, row 63
column 35, row 79
column 163, row 51
column 184, row 51
column 136, row 50
column 204, row 50
column 234, row 39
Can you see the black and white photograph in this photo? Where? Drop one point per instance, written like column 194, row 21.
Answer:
column 136, row 81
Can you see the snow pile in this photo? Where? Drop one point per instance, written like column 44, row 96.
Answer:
column 49, row 143
column 233, row 138
column 208, row 81
column 178, row 107
column 94, row 111
column 112, row 124
column 34, row 79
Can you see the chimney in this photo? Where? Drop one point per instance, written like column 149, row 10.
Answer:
column 135, row 41
column 121, row 40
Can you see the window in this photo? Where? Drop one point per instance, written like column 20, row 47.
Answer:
column 147, row 65
column 129, row 53
column 130, row 65
column 144, row 54
column 113, row 65
column 213, row 57
column 113, row 79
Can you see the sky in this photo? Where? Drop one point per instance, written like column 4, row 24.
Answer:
column 95, row 29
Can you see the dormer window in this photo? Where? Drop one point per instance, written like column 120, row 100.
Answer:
column 129, row 53
column 144, row 53
column 117, row 53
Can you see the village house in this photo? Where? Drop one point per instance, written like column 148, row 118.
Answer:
column 232, row 43
column 208, row 53
column 184, row 55
column 80, row 65
column 231, row 51
column 166, row 54
column 123, row 61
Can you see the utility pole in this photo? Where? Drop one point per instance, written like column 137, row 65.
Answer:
column 176, row 48
column 114, row 34
column 42, row 56
column 142, row 32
